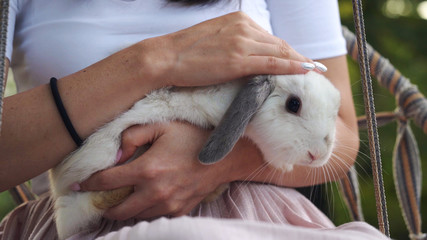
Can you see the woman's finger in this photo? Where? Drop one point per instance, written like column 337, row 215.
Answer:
column 275, row 65
column 261, row 42
column 282, row 50
column 137, row 136
column 161, row 209
column 137, row 202
column 256, row 32
column 123, row 175
column 109, row 179
column 173, row 208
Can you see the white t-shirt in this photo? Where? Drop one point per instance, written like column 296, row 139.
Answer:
column 57, row 38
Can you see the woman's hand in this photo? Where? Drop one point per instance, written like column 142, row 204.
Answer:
column 219, row 50
column 168, row 179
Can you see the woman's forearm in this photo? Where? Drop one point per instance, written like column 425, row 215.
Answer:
column 34, row 138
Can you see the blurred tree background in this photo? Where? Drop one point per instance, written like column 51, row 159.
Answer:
column 398, row 30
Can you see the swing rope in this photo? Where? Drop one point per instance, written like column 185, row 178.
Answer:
column 368, row 97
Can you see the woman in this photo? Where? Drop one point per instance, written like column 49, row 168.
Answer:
column 109, row 54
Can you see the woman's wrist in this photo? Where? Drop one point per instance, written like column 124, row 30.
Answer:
column 97, row 94
column 154, row 61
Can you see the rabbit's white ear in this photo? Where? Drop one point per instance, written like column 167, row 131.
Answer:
column 233, row 124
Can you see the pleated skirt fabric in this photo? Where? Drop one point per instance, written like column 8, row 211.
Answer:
column 244, row 211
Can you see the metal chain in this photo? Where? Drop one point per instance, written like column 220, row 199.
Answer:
column 4, row 15
column 374, row 145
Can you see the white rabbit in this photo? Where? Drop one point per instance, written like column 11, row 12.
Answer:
column 292, row 121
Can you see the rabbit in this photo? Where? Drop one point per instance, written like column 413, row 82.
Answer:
column 291, row 118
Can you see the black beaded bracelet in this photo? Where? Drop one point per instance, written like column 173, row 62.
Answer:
column 63, row 112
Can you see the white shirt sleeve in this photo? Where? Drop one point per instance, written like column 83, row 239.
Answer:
column 312, row 27
column 13, row 10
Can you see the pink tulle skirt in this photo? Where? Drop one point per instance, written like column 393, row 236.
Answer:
column 245, row 211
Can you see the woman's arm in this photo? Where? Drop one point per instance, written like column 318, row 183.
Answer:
column 34, row 138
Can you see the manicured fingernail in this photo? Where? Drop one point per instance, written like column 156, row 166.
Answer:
column 75, row 187
column 308, row 66
column 119, row 155
column 320, row 66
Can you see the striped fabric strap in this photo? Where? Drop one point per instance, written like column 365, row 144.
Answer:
column 383, row 118
column 350, row 190
column 413, row 103
column 407, row 177
column 21, row 193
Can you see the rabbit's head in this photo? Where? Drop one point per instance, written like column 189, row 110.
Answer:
column 292, row 120
column 296, row 123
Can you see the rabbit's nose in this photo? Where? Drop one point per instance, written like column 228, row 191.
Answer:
column 312, row 156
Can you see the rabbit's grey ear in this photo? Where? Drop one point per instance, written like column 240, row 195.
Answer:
column 236, row 118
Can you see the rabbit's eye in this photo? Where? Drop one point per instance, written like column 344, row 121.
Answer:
column 293, row 104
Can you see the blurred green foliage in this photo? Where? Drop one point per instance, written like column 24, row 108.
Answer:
column 399, row 34
column 6, row 204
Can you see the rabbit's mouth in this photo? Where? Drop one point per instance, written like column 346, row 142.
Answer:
column 312, row 160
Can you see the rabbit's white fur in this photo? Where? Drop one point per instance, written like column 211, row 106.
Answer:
column 283, row 138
